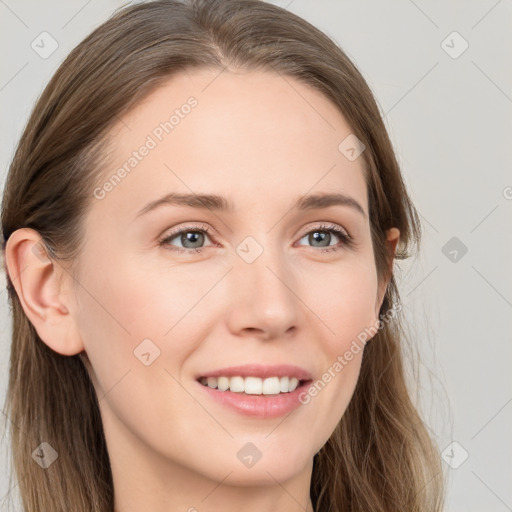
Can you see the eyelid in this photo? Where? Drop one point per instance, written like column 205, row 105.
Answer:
column 324, row 226
column 200, row 226
column 339, row 231
column 347, row 242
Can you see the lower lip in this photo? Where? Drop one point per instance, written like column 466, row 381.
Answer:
column 260, row 406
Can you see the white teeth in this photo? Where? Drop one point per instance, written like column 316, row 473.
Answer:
column 223, row 383
column 236, row 384
column 294, row 382
column 271, row 386
column 252, row 385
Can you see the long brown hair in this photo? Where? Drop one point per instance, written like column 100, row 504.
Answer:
column 380, row 456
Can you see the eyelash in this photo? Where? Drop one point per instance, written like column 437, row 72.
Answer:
column 346, row 239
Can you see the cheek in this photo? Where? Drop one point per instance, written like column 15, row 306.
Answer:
column 343, row 300
column 351, row 316
column 122, row 311
column 122, row 306
column 114, row 316
column 341, row 295
column 136, row 301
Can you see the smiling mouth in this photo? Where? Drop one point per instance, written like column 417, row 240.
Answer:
column 253, row 385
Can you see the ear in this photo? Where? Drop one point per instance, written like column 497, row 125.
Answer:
column 392, row 237
column 40, row 284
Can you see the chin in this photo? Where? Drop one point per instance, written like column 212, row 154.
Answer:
column 260, row 474
column 264, row 471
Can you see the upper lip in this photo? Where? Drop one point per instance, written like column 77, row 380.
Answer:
column 261, row 371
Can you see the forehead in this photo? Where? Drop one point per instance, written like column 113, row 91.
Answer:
column 249, row 135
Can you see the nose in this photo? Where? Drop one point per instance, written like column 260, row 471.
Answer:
column 263, row 300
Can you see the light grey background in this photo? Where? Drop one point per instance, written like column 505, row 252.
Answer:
column 450, row 119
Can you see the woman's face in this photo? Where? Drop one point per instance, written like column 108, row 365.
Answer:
column 268, row 284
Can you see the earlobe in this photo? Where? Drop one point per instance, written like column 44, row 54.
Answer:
column 38, row 281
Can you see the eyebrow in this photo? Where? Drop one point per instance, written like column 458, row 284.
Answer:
column 220, row 203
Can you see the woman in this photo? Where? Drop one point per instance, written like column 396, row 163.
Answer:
column 180, row 342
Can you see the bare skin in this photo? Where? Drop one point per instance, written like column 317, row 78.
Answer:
column 262, row 144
